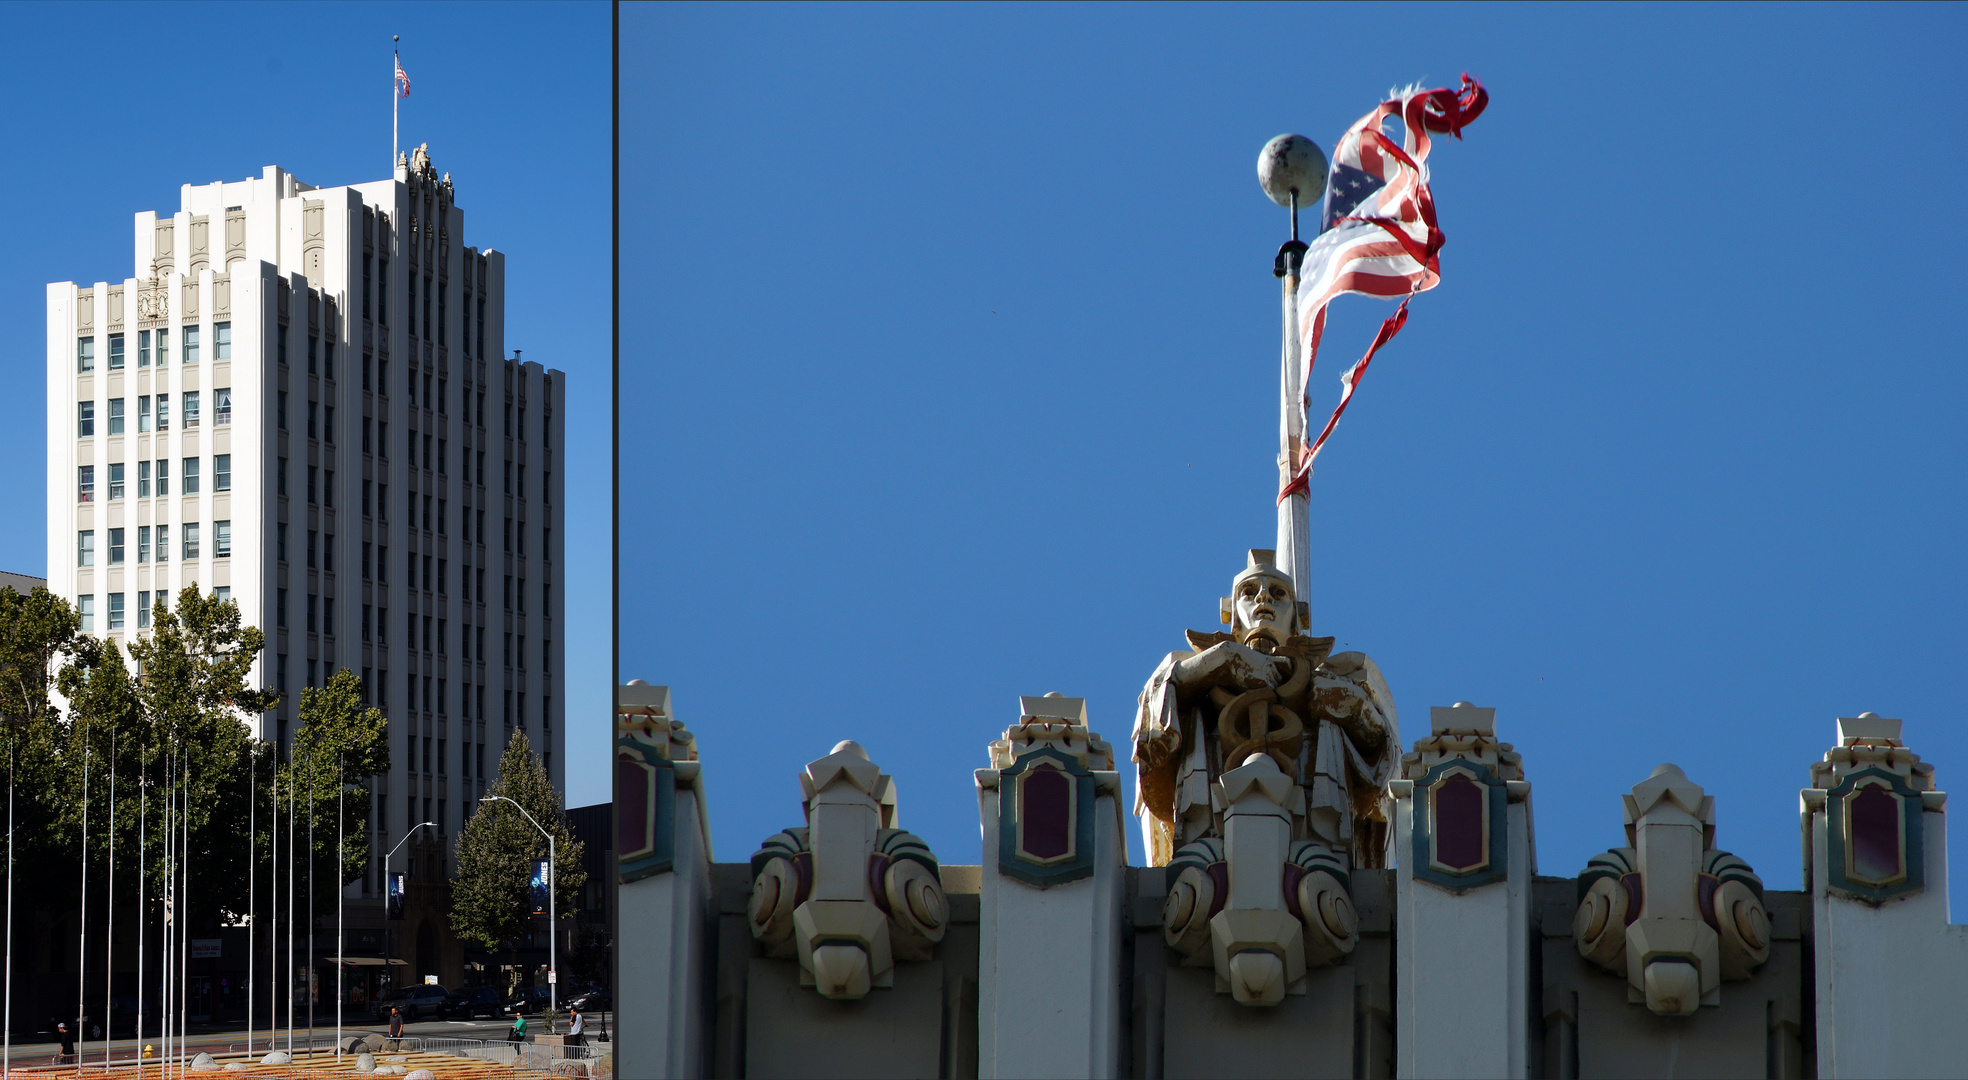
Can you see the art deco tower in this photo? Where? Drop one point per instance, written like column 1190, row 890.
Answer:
column 298, row 399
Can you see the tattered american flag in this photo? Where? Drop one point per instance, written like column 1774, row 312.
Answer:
column 1378, row 235
column 402, row 78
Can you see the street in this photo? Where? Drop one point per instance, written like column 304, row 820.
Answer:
column 218, row 1039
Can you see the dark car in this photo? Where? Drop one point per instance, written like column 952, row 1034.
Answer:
column 470, row 1003
column 413, row 1002
column 591, row 1001
column 535, row 1000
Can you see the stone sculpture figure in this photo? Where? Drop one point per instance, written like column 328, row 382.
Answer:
column 1264, row 763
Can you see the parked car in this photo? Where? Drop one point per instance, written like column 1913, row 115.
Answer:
column 470, row 1003
column 413, row 1002
column 592, row 1001
column 534, row 1000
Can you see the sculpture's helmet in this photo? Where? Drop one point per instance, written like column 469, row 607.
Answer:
column 1273, row 595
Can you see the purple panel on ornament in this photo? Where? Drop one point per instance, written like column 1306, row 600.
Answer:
column 1459, row 823
column 1045, row 812
column 1875, row 817
column 632, row 807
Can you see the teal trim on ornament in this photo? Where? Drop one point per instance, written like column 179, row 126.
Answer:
column 1014, row 864
column 1912, row 834
column 1497, row 799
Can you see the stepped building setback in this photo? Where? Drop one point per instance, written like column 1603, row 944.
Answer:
column 300, row 398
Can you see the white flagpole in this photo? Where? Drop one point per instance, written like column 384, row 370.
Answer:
column 1294, row 511
column 396, row 95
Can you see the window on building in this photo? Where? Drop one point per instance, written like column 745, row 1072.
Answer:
column 312, row 537
column 442, row 446
column 116, row 352
column 328, row 488
column 223, row 594
column 188, row 352
column 163, row 412
column 85, row 483
column 367, row 425
column 143, row 414
column 314, row 413
column 116, row 547
column 143, row 361
column 190, row 409
column 116, row 416
column 163, row 549
column 427, row 307
column 366, row 484
column 280, row 477
column 366, row 609
column 143, row 549
column 383, row 291
column 366, row 364
column 280, row 343
column 116, row 611
column 222, row 539
column 314, row 347
column 328, row 360
column 280, row 410
column 222, row 406
column 222, row 341
column 367, row 268
column 522, row 596
column 382, row 439
column 314, row 474
column 427, row 513
column 280, row 541
column 443, row 568
column 221, row 472
column 443, row 392
column 481, row 423
column 546, row 656
column 143, row 610
column 188, row 479
column 328, row 424
column 163, row 477
column 85, row 419
column 521, row 545
column 85, row 548
column 190, row 531
column 509, row 662
column 86, row 607
column 328, row 615
column 382, row 638
column 521, row 492
column 480, row 350
column 85, row 355
column 313, row 606
column 443, row 299
column 163, row 347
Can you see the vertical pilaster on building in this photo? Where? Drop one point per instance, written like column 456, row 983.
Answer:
column 1463, row 898
column 1891, row 971
column 1050, row 994
column 664, row 907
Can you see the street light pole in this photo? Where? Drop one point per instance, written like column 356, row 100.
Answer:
column 389, row 937
column 553, row 930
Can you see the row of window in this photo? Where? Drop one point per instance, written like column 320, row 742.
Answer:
column 376, row 271
column 154, row 478
column 189, row 538
column 159, row 419
column 86, row 607
column 188, row 350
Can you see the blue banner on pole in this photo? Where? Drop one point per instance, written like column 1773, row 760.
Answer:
column 542, row 881
column 398, row 887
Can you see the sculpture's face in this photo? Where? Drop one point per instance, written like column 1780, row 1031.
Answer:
column 1265, row 605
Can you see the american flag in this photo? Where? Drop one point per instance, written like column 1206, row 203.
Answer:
column 1378, row 235
column 402, row 79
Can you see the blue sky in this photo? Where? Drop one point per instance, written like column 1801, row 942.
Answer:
column 949, row 376
column 115, row 106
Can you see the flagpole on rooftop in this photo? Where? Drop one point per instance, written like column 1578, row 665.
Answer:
column 1292, row 171
column 397, row 60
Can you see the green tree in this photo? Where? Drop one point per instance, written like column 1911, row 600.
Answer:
column 339, row 747
column 38, row 630
column 194, row 698
column 490, row 900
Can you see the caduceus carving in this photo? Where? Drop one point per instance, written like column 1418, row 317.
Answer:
column 1266, row 688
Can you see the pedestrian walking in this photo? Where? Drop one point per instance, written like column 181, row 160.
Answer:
column 576, row 1027
column 67, row 1036
column 396, row 1023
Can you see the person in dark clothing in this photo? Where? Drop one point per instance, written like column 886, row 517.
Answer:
column 67, row 1036
column 396, row 1023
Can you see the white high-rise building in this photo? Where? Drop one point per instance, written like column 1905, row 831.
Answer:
column 299, row 398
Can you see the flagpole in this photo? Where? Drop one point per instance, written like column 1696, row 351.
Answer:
column 394, row 98
column 1292, row 171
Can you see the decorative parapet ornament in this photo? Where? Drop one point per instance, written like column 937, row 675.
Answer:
column 1264, row 764
column 654, row 754
column 1048, row 769
column 1670, row 912
column 850, row 894
column 1461, row 779
column 1872, row 791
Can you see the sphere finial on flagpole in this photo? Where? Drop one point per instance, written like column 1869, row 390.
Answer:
column 1292, row 162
